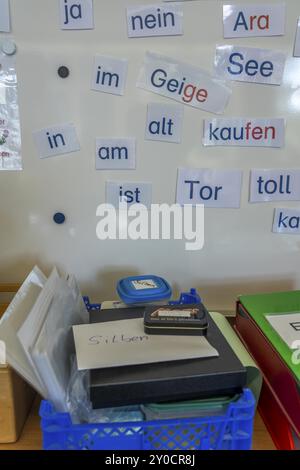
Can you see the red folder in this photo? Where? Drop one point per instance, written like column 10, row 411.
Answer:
column 280, row 401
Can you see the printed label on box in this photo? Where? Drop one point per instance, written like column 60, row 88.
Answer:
column 144, row 284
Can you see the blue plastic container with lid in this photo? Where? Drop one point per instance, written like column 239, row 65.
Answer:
column 143, row 289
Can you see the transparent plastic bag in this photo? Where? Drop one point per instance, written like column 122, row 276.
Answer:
column 10, row 132
column 80, row 407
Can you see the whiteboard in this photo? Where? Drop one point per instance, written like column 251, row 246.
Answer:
column 241, row 254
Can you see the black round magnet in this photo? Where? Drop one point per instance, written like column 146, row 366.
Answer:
column 59, row 218
column 63, row 71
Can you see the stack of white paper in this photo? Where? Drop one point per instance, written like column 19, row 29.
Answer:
column 37, row 332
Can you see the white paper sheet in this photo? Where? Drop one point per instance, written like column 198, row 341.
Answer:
column 287, row 325
column 124, row 342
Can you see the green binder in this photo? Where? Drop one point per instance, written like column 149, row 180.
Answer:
column 260, row 305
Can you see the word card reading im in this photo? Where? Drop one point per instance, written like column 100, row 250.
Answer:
column 109, row 75
column 242, row 21
column 244, row 132
column 184, row 83
column 154, row 20
column 249, row 64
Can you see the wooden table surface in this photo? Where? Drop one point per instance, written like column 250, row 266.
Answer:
column 31, row 438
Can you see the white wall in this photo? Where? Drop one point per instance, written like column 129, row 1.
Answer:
column 240, row 255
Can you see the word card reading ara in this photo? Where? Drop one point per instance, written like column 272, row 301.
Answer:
column 184, row 83
column 249, row 64
column 246, row 132
column 242, row 21
column 154, row 20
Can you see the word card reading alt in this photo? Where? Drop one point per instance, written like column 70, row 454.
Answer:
column 213, row 188
column 269, row 185
column 128, row 193
column 242, row 21
column 184, row 83
column 154, row 20
column 76, row 14
column 109, row 75
column 164, row 122
column 4, row 16
column 246, row 132
column 287, row 221
column 56, row 140
column 249, row 64
column 115, row 154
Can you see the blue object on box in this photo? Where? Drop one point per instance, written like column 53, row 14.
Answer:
column 191, row 297
column 143, row 289
column 232, row 430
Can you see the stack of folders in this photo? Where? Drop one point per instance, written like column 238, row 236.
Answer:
column 36, row 329
column 269, row 324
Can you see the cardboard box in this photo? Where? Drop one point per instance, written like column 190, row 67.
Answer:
column 16, row 396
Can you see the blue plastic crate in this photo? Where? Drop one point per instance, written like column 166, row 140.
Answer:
column 231, row 431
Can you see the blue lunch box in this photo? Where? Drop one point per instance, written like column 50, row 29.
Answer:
column 143, row 289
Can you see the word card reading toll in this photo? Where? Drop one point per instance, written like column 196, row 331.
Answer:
column 242, row 21
column 184, row 83
column 244, row 132
column 154, row 20
column 275, row 185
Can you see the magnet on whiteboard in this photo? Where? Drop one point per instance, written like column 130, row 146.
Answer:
column 63, row 71
column 8, row 47
column 59, row 218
